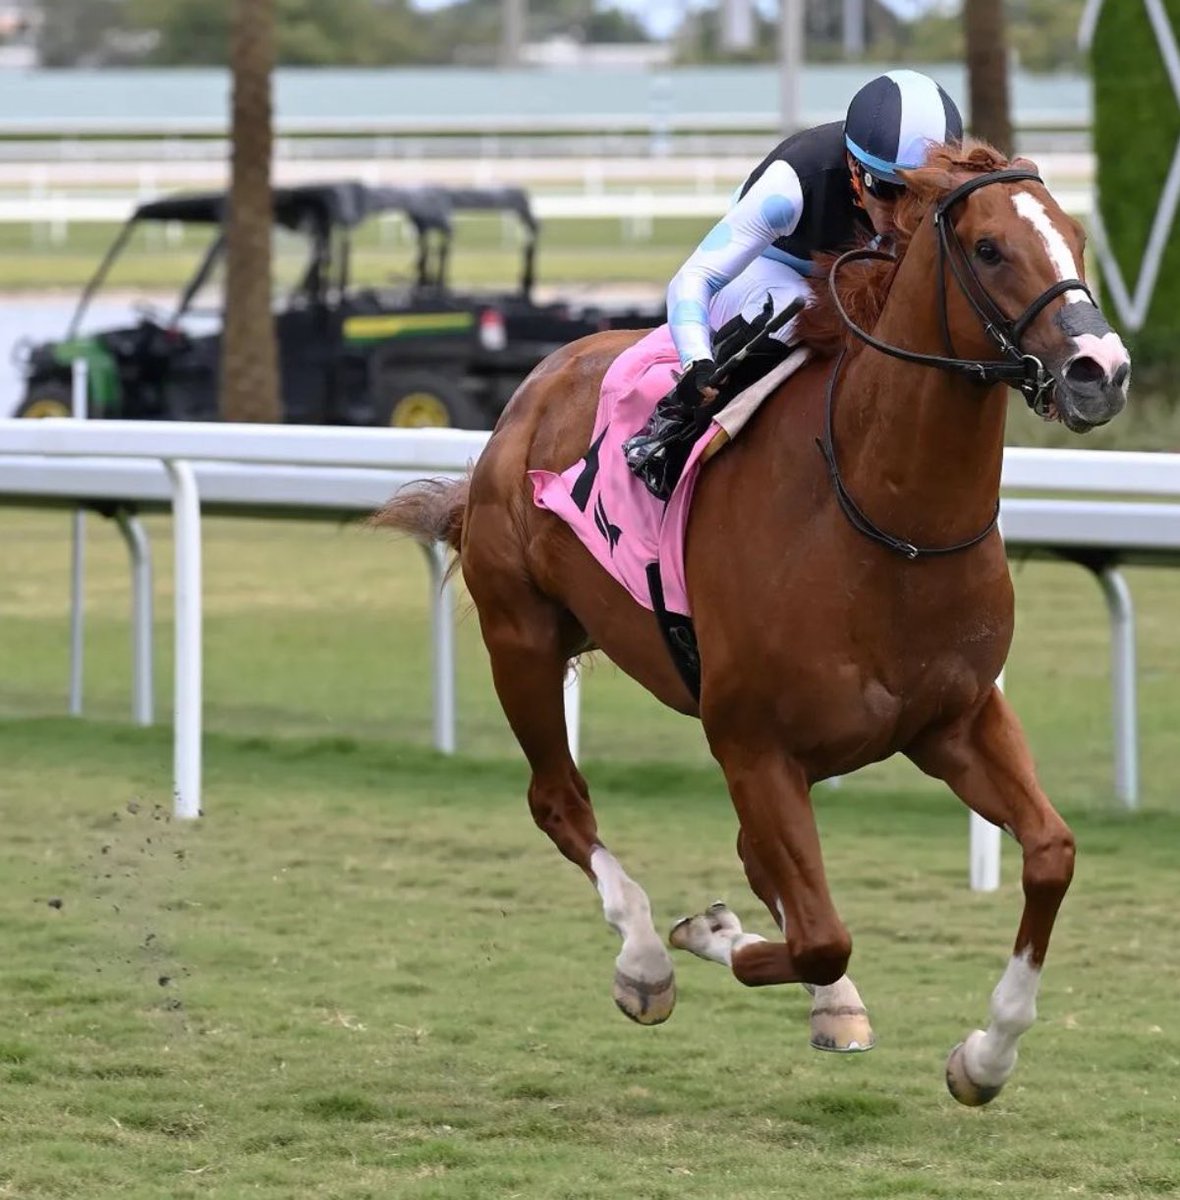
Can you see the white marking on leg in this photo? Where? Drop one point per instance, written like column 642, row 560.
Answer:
column 628, row 912
column 841, row 994
column 711, row 938
column 990, row 1056
column 721, row 947
column 624, row 903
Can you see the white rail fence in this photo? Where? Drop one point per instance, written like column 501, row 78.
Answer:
column 327, row 473
column 638, row 207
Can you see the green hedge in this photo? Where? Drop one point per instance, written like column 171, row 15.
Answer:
column 1136, row 128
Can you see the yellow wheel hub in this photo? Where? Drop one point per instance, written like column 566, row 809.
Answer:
column 49, row 406
column 419, row 410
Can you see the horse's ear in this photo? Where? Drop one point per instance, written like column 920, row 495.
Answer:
column 925, row 182
column 1025, row 164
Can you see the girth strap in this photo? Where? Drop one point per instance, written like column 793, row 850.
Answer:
column 679, row 634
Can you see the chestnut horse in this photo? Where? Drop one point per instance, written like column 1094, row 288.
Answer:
column 849, row 604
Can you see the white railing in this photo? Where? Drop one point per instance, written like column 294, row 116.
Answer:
column 59, row 211
column 170, row 459
column 408, row 165
column 326, row 472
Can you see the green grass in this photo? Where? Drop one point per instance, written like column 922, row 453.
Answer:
column 381, row 981
column 342, row 652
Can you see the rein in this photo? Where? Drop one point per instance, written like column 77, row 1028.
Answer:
column 1025, row 372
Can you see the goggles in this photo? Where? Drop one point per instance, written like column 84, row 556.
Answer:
column 880, row 189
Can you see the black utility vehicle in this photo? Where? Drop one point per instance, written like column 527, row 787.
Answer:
column 415, row 352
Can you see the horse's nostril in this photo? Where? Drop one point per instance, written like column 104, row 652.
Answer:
column 1120, row 376
column 1084, row 371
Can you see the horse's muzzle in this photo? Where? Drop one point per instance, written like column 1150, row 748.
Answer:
column 1090, row 393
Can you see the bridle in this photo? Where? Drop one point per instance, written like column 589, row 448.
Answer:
column 1025, row 372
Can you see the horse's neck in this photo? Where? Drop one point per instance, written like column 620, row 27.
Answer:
column 920, row 449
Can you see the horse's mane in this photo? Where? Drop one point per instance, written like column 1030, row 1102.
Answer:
column 864, row 286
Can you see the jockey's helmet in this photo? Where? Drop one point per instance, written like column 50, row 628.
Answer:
column 891, row 123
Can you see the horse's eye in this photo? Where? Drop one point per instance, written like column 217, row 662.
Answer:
column 987, row 252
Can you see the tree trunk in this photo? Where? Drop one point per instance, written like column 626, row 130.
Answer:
column 249, row 354
column 986, row 34
column 513, row 20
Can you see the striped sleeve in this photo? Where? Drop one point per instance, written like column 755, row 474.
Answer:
column 769, row 210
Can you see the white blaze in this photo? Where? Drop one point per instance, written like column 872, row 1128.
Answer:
column 1108, row 350
column 1060, row 255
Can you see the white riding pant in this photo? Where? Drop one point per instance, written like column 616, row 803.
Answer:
column 746, row 295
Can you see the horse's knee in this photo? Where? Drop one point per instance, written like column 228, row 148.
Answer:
column 824, row 959
column 1049, row 862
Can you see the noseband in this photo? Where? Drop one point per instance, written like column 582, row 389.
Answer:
column 1025, row 372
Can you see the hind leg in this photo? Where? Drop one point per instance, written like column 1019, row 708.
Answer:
column 530, row 640
column 839, row 1021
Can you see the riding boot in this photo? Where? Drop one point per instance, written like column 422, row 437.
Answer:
column 658, row 452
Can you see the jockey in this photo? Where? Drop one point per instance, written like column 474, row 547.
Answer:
column 823, row 189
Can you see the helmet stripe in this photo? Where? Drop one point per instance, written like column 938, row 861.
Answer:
column 922, row 111
column 954, row 121
column 878, row 166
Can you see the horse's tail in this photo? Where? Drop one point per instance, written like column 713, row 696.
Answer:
column 430, row 510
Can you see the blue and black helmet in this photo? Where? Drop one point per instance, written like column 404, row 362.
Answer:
column 894, row 119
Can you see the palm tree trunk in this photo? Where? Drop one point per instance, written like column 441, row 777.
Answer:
column 249, row 354
column 986, row 35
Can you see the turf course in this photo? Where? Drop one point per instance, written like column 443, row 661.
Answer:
column 366, row 974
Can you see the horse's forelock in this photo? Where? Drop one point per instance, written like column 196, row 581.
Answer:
column 865, row 286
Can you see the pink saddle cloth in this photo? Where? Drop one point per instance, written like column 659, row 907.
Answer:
column 614, row 516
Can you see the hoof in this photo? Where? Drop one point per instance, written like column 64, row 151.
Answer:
column 697, row 934
column 645, row 1003
column 960, row 1085
column 841, row 1030
column 722, row 918
column 687, row 932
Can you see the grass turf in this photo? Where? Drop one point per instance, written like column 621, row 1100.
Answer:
column 367, row 974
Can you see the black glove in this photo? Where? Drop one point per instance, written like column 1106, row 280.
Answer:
column 695, row 379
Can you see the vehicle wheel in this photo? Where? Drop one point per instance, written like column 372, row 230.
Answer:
column 47, row 399
column 425, row 401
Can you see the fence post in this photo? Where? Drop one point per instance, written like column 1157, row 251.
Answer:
column 80, row 380
column 186, row 522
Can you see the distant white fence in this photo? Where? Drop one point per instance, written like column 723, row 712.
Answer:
column 634, row 189
column 638, row 209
